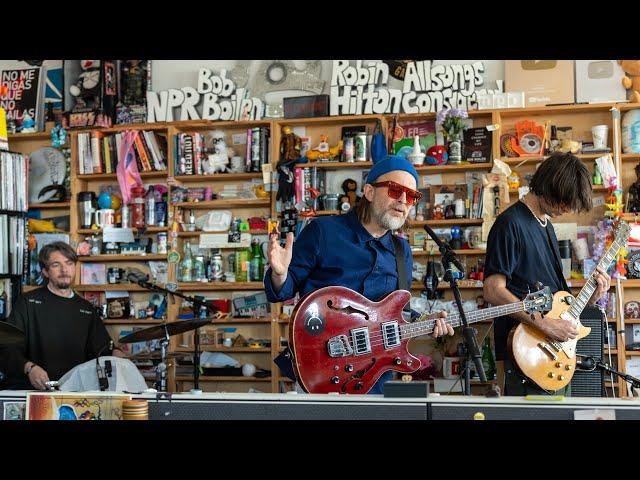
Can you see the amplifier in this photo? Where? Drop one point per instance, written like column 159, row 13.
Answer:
column 583, row 383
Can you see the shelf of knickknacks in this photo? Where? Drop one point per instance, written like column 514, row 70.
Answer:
column 216, row 176
column 122, row 258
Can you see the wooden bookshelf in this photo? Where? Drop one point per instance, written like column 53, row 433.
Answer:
column 445, row 222
column 227, row 203
column 218, row 177
column 123, row 258
column 89, row 231
column 220, row 286
column 48, row 205
column 112, row 176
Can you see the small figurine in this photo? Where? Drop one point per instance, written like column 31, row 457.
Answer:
column 134, row 79
column 219, row 159
column 87, row 88
column 289, row 145
column 323, row 151
column 28, row 124
column 350, row 187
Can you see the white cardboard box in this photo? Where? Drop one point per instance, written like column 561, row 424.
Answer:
column 599, row 81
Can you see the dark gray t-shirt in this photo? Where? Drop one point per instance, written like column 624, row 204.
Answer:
column 518, row 247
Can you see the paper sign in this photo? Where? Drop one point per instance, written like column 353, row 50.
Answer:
column 113, row 234
column 598, row 201
column 221, row 240
column 267, row 168
column 566, row 231
column 435, row 179
column 239, row 139
column 595, row 414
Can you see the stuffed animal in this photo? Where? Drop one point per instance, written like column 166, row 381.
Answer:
column 632, row 78
column 87, row 88
column 349, row 186
column 219, row 159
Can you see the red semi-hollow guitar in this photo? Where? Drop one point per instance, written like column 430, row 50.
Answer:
column 342, row 342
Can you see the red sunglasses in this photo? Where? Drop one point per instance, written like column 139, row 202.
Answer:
column 394, row 190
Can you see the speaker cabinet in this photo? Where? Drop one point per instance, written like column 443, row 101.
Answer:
column 590, row 384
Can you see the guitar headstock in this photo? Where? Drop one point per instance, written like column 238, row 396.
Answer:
column 540, row 301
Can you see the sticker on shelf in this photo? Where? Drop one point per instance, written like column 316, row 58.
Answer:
column 173, row 257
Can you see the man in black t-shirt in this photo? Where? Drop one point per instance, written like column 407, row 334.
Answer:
column 522, row 249
column 62, row 330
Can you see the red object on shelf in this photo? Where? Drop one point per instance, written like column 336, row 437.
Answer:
column 137, row 207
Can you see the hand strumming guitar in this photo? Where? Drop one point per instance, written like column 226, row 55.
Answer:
column 279, row 259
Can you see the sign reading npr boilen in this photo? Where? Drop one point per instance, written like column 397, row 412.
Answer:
column 360, row 89
column 220, row 98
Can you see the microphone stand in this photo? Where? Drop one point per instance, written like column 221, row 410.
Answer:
column 197, row 306
column 599, row 364
column 470, row 342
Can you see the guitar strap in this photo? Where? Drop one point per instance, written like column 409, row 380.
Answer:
column 557, row 264
column 401, row 267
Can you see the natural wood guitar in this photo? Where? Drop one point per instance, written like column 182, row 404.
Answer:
column 549, row 363
column 342, row 342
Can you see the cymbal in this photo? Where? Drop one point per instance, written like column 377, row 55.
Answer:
column 10, row 335
column 171, row 328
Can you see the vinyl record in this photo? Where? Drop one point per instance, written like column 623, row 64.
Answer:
column 531, row 143
column 47, row 166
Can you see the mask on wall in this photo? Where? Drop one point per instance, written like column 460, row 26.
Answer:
column 278, row 76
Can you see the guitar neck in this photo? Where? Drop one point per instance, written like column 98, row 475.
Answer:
column 591, row 284
column 422, row 326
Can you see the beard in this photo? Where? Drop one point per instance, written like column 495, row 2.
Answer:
column 388, row 221
column 61, row 284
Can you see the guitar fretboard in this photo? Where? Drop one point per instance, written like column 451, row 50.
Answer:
column 422, row 326
column 591, row 284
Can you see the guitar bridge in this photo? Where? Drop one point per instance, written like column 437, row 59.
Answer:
column 546, row 349
column 339, row 346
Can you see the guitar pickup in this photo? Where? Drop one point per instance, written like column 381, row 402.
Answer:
column 339, row 346
column 390, row 334
column 546, row 349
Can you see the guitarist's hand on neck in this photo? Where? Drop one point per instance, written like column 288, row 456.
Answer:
column 495, row 292
column 604, row 282
column 279, row 259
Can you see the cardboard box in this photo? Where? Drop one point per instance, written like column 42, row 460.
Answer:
column 599, row 81
column 543, row 82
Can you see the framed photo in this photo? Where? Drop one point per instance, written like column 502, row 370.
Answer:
column 442, row 198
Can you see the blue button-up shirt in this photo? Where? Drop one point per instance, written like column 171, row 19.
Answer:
column 338, row 250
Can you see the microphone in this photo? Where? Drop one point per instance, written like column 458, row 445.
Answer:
column 585, row 363
column 444, row 248
column 102, row 378
column 431, row 281
column 138, row 278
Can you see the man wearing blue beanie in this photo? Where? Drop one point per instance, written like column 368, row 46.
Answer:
column 355, row 250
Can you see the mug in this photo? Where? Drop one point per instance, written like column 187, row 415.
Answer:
column 105, row 217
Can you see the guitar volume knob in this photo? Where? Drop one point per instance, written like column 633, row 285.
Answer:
column 561, row 377
column 551, row 375
column 335, row 380
column 348, row 368
column 567, row 367
column 559, row 364
column 397, row 361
